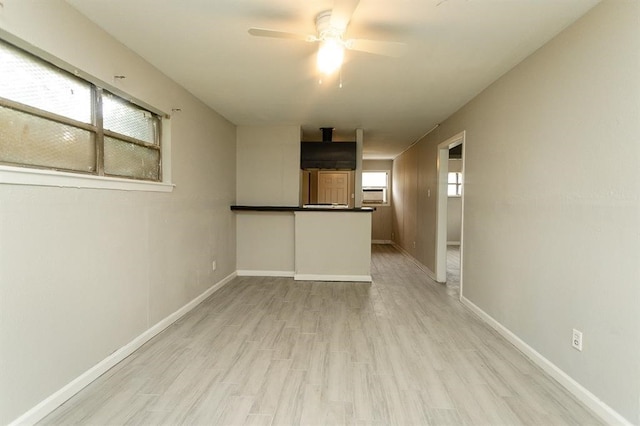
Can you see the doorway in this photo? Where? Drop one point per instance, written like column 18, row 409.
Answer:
column 327, row 187
column 442, row 213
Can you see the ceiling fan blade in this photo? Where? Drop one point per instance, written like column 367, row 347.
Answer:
column 341, row 13
column 384, row 48
column 263, row 32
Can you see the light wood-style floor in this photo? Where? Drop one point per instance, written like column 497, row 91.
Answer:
column 270, row 351
column 453, row 266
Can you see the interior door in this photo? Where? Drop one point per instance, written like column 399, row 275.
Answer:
column 333, row 188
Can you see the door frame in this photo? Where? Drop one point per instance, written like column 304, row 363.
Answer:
column 441, row 209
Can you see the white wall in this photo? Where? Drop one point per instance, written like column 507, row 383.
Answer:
column 552, row 214
column 82, row 271
column 268, row 165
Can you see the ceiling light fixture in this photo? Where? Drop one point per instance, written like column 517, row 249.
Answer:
column 331, row 26
column 331, row 50
column 330, row 55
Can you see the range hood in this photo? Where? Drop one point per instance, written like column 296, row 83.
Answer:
column 328, row 154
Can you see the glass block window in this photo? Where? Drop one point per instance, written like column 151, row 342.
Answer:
column 375, row 187
column 50, row 118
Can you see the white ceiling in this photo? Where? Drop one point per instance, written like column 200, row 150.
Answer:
column 456, row 48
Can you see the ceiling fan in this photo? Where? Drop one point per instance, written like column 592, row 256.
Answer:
column 331, row 26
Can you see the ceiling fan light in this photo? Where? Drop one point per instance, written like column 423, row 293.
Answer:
column 330, row 56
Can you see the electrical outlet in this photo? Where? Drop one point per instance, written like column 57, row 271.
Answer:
column 414, row 244
column 213, row 265
column 576, row 339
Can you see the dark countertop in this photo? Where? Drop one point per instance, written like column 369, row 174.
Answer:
column 300, row 209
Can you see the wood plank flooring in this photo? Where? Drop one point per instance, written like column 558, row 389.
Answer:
column 453, row 267
column 270, row 351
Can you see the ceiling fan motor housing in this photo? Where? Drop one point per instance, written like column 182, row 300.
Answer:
column 324, row 28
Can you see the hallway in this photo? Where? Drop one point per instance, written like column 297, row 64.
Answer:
column 271, row 351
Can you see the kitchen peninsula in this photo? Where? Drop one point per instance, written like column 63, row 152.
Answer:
column 312, row 243
column 275, row 236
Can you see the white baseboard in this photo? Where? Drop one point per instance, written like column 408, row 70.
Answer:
column 45, row 407
column 426, row 270
column 255, row 273
column 302, row 277
column 381, row 242
column 608, row 414
column 319, row 277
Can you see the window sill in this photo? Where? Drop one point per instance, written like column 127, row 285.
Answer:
column 36, row 177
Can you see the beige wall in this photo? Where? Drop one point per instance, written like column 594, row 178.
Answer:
column 381, row 225
column 85, row 271
column 265, row 243
column 454, row 208
column 454, row 219
column 268, row 165
column 455, row 165
column 332, row 246
column 552, row 228
column 268, row 174
column 414, row 203
column 381, row 220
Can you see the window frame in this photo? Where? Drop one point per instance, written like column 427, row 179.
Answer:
column 387, row 189
column 26, row 174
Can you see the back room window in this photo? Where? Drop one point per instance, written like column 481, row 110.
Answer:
column 375, row 187
column 454, row 184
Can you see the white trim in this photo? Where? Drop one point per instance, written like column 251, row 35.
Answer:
column 381, row 242
column 426, row 270
column 357, row 184
column 45, row 407
column 322, row 277
column 606, row 413
column 453, row 243
column 165, row 148
column 38, row 177
column 442, row 168
column 256, row 273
